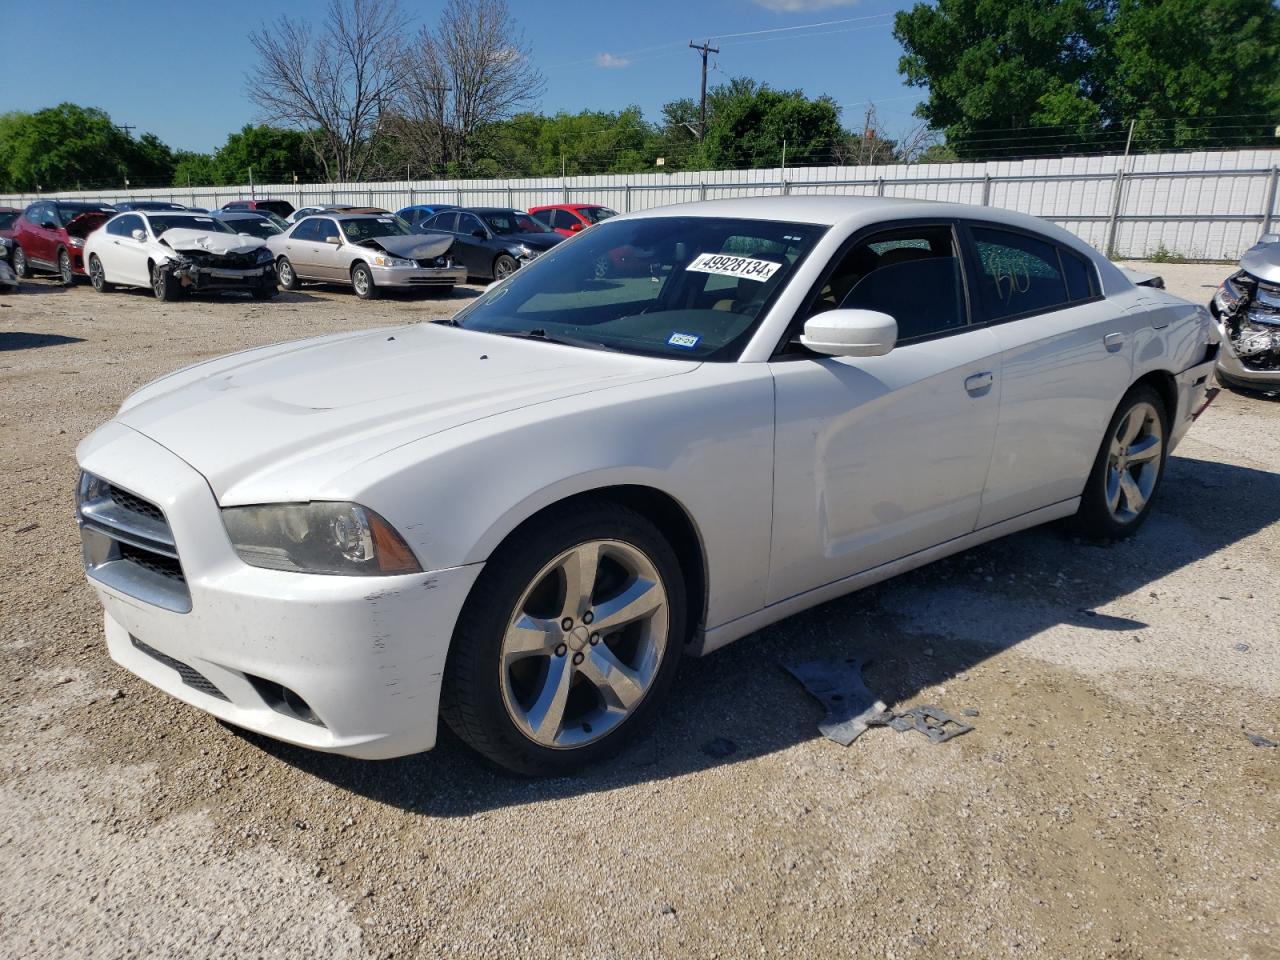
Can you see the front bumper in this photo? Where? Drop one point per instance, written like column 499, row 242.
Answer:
column 1232, row 368
column 202, row 277
column 365, row 654
column 1193, row 393
column 406, row 277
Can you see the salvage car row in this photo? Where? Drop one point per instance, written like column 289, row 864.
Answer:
column 249, row 246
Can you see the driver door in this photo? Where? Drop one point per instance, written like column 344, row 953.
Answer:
column 877, row 458
column 124, row 257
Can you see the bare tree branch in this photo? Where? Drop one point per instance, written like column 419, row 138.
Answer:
column 338, row 85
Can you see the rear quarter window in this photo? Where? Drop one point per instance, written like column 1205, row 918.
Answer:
column 1018, row 274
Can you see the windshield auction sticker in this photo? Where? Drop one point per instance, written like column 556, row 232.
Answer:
column 726, row 266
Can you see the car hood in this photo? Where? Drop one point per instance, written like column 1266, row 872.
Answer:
column 278, row 423
column 541, row 241
column 419, row 246
column 1262, row 260
column 210, row 241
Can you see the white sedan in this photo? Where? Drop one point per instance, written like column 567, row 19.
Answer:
column 522, row 518
column 174, row 252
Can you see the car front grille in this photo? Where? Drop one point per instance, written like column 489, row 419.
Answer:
column 190, row 675
column 435, row 263
column 223, row 261
column 128, row 545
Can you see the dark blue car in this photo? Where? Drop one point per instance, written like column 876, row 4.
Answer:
column 420, row 212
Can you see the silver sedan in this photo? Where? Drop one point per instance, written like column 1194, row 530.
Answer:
column 368, row 251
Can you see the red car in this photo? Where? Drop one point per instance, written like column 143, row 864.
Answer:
column 281, row 208
column 50, row 237
column 567, row 219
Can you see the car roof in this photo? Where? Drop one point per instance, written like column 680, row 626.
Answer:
column 490, row 210
column 829, row 210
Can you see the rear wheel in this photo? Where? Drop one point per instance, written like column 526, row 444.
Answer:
column 20, row 268
column 1128, row 469
column 97, row 275
column 568, row 642
column 65, row 272
column 362, row 282
column 285, row 275
column 504, row 266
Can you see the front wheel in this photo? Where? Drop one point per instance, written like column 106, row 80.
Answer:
column 162, row 283
column 504, row 266
column 285, row 274
column 568, row 641
column 97, row 275
column 20, row 268
column 65, row 272
column 1128, row 469
column 362, row 281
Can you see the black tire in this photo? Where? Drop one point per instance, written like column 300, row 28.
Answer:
column 21, row 269
column 65, row 273
column 362, row 282
column 264, row 292
column 1096, row 520
column 286, row 276
column 472, row 697
column 98, row 275
column 504, row 265
column 163, row 284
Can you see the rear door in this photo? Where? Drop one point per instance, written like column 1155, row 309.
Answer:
column 877, row 458
column 1066, row 360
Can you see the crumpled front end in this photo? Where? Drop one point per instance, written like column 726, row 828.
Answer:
column 1247, row 310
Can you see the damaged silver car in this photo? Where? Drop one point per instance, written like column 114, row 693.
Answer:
column 1247, row 309
column 370, row 252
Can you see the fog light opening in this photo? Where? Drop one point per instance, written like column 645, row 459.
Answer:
column 284, row 701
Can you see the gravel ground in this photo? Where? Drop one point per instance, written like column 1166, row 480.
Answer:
column 1107, row 803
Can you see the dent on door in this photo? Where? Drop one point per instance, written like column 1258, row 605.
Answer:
column 879, row 457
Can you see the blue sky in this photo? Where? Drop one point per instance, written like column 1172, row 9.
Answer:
column 179, row 71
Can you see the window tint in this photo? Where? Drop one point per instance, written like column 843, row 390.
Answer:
column 444, row 221
column 1079, row 275
column 1019, row 274
column 562, row 219
column 124, row 226
column 38, row 213
column 912, row 274
column 306, row 229
column 325, row 228
column 468, row 222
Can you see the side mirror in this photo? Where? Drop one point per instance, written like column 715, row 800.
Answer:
column 334, row 240
column 477, row 232
column 850, row 333
column 139, row 235
column 575, row 227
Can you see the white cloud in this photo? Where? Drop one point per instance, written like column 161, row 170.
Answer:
column 802, row 6
column 609, row 61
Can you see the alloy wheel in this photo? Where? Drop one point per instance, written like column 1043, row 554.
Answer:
column 360, row 280
column 64, row 268
column 19, row 263
column 1134, row 461
column 503, row 267
column 97, row 275
column 585, row 644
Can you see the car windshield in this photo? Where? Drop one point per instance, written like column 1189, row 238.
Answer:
column 68, row 213
column 596, row 214
column 512, row 221
column 253, row 226
column 688, row 287
column 169, row 221
column 366, row 228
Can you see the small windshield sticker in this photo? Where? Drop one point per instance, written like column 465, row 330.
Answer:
column 686, row 341
column 727, row 266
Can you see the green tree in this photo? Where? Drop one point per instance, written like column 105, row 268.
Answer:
column 995, row 68
column 275, row 155
column 66, row 146
column 747, row 124
column 1195, row 73
column 193, row 169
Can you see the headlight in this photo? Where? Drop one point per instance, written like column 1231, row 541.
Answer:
column 76, row 241
column 319, row 537
column 389, row 261
column 1228, row 298
column 527, row 252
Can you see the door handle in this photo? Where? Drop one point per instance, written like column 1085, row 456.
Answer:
column 979, row 383
column 1113, row 341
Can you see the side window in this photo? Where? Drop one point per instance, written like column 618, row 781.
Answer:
column 563, row 219
column 445, row 221
column 912, row 274
column 1019, row 274
column 325, row 228
column 1082, row 282
column 468, row 223
column 38, row 213
column 115, row 227
column 306, row 230
column 126, row 225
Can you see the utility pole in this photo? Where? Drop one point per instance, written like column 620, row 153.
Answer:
column 703, row 49
column 126, row 129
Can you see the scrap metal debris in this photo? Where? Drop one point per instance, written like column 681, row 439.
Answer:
column 1258, row 740
column 852, row 707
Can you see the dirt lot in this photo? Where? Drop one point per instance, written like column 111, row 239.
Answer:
column 1107, row 804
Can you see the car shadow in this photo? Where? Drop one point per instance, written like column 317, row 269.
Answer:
column 739, row 703
column 18, row 340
